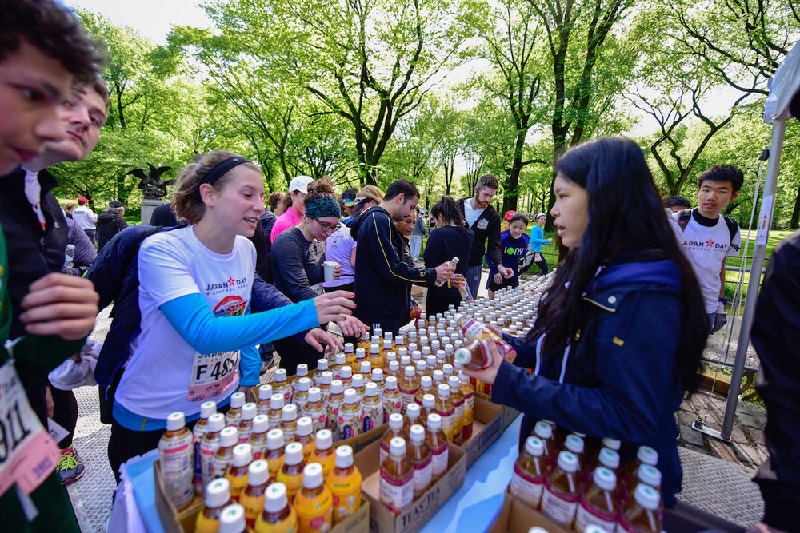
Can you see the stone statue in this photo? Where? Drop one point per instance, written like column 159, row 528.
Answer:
column 153, row 187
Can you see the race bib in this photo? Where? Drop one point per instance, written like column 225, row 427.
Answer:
column 212, row 374
column 27, row 452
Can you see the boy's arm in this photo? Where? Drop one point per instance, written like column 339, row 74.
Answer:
column 722, row 279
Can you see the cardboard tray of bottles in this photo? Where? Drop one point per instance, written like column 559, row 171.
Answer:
column 383, row 520
column 509, row 413
column 516, row 517
column 359, row 442
column 183, row 521
column 486, row 428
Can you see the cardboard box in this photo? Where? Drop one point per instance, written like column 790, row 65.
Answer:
column 486, row 428
column 360, row 442
column 174, row 521
column 509, row 415
column 383, row 520
column 516, row 517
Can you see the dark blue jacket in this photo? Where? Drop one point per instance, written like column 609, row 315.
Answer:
column 618, row 379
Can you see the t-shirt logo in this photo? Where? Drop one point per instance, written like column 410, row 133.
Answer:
column 710, row 243
column 231, row 281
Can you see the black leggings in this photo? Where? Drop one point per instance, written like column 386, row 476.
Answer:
column 65, row 413
column 125, row 444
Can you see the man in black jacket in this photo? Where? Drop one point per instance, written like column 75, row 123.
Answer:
column 484, row 221
column 382, row 275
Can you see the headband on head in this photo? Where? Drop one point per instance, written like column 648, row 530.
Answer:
column 218, row 170
column 323, row 207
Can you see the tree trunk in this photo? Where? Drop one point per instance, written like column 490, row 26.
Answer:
column 793, row 223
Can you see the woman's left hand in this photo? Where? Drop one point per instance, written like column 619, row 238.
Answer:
column 487, row 375
column 337, row 271
column 318, row 339
column 457, row 280
column 352, row 327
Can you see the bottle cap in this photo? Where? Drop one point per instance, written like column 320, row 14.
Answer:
column 374, row 348
column 646, row 496
column 426, row 351
column 361, row 353
column 215, row 422
column 346, row 372
column 237, row 400
column 534, row 446
column 289, row 412
column 358, row 381
column 448, row 348
column 302, row 370
column 574, row 443
column 438, row 376
column 279, row 375
column 426, row 382
column 336, row 386
column 434, row 422
column 612, row 444
column 350, row 396
column 231, row 519
column 265, row 392
column 412, row 411
column 428, row 401
column 276, row 401
column 447, row 368
column 605, row 478
column 218, row 492
column 371, row 389
column 388, row 335
column 365, row 368
column 229, row 436
column 395, row 421
column 416, row 355
column 322, row 365
column 344, row 456
column 647, row 455
column 417, row 433
column 394, row 366
column 340, row 359
column 387, row 344
column 649, row 475
column 302, row 384
column 326, row 377
column 324, row 439
column 314, row 394
column 443, row 390
column 377, row 332
column 377, row 374
column 249, row 411
column 258, row 472
column 462, row 356
column 391, row 356
column 543, row 430
column 294, row 453
column 349, row 347
column 175, row 421
column 312, row 476
column 391, row 382
column 275, row 439
column 431, row 361
column 275, row 498
column 304, row 426
column 608, row 458
column 260, row 424
column 207, row 409
column 409, row 371
column 454, row 382
column 463, row 377
column 397, row 446
column 242, row 455
column 567, row 462
column 405, row 361
column 421, row 367
column 402, row 351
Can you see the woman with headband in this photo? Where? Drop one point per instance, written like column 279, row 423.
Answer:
column 197, row 339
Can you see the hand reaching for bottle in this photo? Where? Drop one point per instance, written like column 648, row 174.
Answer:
column 444, row 272
column 489, row 374
column 334, row 306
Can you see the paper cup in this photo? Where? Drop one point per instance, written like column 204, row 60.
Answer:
column 329, row 266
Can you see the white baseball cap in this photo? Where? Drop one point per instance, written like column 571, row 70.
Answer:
column 300, row 183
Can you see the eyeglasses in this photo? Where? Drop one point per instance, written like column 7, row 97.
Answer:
column 328, row 227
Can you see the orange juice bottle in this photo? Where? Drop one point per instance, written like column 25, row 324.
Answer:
column 275, row 454
column 395, row 430
column 300, row 395
column 234, row 414
column 425, row 387
column 358, row 385
column 278, row 516
column 316, row 410
column 335, row 401
column 339, row 362
column 305, row 436
column 176, row 459
column 281, row 386
column 641, row 515
column 206, row 410
column 345, row 484
column 218, row 496
column 232, row 519
column 349, row 353
column 350, row 420
column 468, row 392
column 562, row 490
column 238, row 473
column 444, row 408
column 397, row 478
column 249, row 412
column 419, row 453
column 458, row 407
column 598, row 505
column 228, row 438
column 252, row 499
column 375, row 356
column 346, row 377
column 289, row 422
column 291, row 473
column 325, row 380
column 323, row 451
column 258, row 438
column 377, row 377
column 437, row 442
column 408, row 385
column 392, row 400
column 264, row 394
column 314, row 502
column 527, row 481
column 372, row 408
column 275, row 413
column 209, row 446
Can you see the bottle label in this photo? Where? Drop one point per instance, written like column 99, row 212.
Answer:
column 275, row 464
column 397, row 493
column 314, row 514
column 237, row 483
column 252, row 507
column 422, row 476
column 232, row 418
column 439, row 461
column 292, row 482
column 526, row 487
column 318, row 414
column 287, row 526
column 558, row 509
column 586, row 516
column 408, row 396
column 176, row 459
column 373, row 414
column 350, row 423
column 469, row 409
column 289, row 432
column 244, row 434
column 301, row 400
column 458, row 421
column 221, row 466
column 448, row 427
column 392, row 403
column 346, row 495
column 207, row 451
column 258, row 444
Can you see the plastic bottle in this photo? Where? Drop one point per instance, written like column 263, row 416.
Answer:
column 392, row 400
column 468, row 391
column 361, row 357
column 275, row 454
column 301, row 372
column 176, row 460
column 249, row 412
column 645, row 455
column 458, row 407
column 544, row 431
column 275, row 413
column 339, row 362
column 209, row 446
column 289, row 422
column 364, row 368
column 476, row 356
column 278, row 516
column 598, row 504
column 206, row 410
column 264, row 394
column 232, row 520
column 412, row 417
column 305, row 436
column 316, row 410
column 238, row 473
column 300, row 395
column 575, row 444
column 641, row 515
column 397, row 478
column 372, row 408
column 258, row 438
column 281, row 386
column 323, row 451
column 375, row 357
column 377, row 377
column 234, row 414
column 562, row 490
column 528, row 479
column 335, row 401
column 437, row 442
column 291, row 473
column 419, row 453
column 474, row 330
column 395, row 430
column 322, row 366
column 228, row 438
column 445, row 409
column 344, row 483
column 218, row 496
column 359, row 386
column 325, row 380
column 349, row 353
column 252, row 499
column 351, row 417
column 314, row 502
column 425, row 387
column 408, row 385
column 347, row 377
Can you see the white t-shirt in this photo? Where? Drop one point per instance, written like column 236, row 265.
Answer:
column 84, row 217
column 163, row 370
column 471, row 214
column 706, row 247
column 33, row 191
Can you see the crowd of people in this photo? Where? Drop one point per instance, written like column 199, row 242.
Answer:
column 204, row 296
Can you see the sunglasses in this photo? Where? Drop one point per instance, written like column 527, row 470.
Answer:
column 326, row 226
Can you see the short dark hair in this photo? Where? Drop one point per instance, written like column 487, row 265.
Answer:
column 519, row 217
column 55, row 31
column 404, row 187
column 448, row 208
column 723, row 173
column 487, row 180
column 275, row 198
column 98, row 85
column 677, row 201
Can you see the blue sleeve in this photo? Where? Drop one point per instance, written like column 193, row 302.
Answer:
column 537, row 238
column 195, row 322
column 249, row 367
column 526, row 351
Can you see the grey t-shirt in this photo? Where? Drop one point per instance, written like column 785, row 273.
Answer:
column 297, row 265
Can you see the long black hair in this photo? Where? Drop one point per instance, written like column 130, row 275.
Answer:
column 448, row 208
column 625, row 217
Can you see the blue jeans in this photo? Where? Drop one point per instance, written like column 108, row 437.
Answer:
column 712, row 317
column 415, row 243
column 473, row 275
